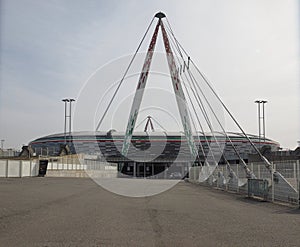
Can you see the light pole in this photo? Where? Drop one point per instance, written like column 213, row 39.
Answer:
column 65, row 128
column 70, row 117
column 258, row 112
column 263, row 117
column 261, row 120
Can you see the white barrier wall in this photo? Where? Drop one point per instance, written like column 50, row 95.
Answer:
column 30, row 168
column 26, row 168
column 34, row 168
column 3, row 168
column 65, row 165
column 14, row 168
column 19, row 168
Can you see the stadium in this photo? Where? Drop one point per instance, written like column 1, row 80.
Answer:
column 151, row 152
column 150, row 147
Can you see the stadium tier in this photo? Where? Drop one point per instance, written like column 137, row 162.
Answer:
column 155, row 147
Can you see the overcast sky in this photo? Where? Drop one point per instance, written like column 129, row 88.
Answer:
column 248, row 49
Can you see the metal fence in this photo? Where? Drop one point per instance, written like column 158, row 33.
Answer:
column 282, row 184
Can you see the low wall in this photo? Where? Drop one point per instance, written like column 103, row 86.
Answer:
column 19, row 168
column 57, row 167
column 66, row 173
column 82, row 173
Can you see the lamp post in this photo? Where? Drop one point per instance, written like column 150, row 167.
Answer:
column 261, row 120
column 263, row 117
column 65, row 128
column 70, row 117
column 258, row 112
column 66, row 101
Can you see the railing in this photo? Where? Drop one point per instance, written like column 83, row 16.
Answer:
column 283, row 183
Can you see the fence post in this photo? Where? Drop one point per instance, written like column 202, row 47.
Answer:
column 30, row 167
column 20, row 168
column 298, row 182
column 272, row 181
column 295, row 171
column 6, row 169
column 218, row 173
column 227, row 178
column 237, row 173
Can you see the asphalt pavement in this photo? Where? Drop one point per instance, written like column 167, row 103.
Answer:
column 78, row 212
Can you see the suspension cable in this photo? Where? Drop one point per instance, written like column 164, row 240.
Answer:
column 268, row 164
column 158, row 124
column 202, row 108
column 140, row 123
column 195, row 112
column 182, row 80
column 179, row 63
column 205, row 115
column 248, row 171
column 198, row 120
column 121, row 81
column 204, row 112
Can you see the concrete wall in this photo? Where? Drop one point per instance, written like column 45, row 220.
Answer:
column 65, row 165
column 19, row 168
column 67, row 173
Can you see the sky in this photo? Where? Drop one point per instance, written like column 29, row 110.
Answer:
column 49, row 49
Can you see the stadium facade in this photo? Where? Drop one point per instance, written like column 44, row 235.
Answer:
column 162, row 146
column 152, row 153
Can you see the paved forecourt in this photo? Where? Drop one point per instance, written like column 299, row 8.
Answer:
column 77, row 212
